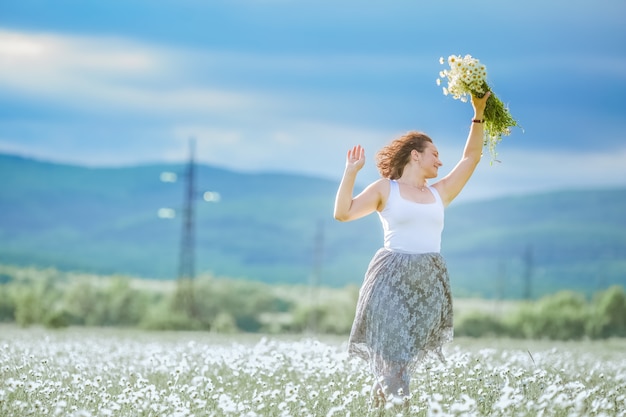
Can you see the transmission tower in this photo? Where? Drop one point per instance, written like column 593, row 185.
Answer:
column 184, row 299
column 528, row 273
column 186, row 265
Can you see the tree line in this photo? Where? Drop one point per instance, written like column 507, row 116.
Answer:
column 565, row 315
column 55, row 299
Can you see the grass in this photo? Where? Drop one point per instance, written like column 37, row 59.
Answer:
column 108, row 372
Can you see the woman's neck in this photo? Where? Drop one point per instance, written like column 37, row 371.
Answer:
column 415, row 182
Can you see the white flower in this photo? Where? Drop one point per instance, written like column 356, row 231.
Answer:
column 467, row 76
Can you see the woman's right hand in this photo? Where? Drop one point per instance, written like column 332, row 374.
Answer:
column 370, row 199
column 355, row 159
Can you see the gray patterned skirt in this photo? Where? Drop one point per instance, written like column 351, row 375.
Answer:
column 404, row 312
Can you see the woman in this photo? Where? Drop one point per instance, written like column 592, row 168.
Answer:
column 404, row 309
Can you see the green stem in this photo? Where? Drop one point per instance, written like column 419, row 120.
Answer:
column 498, row 121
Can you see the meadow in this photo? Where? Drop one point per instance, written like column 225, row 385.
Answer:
column 84, row 372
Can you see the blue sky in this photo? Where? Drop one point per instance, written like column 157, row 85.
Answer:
column 290, row 85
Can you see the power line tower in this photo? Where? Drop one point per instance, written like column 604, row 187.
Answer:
column 186, row 266
column 187, row 258
column 184, row 299
column 500, row 285
column 528, row 273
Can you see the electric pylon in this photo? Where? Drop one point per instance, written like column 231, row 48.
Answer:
column 528, row 273
column 186, row 266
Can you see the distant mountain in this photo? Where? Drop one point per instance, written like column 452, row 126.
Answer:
column 278, row 228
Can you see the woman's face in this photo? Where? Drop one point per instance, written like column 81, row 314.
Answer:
column 429, row 160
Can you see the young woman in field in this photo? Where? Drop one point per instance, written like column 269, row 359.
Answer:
column 404, row 309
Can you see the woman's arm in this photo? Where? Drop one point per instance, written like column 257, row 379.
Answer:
column 451, row 185
column 346, row 207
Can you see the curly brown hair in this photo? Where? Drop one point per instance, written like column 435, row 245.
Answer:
column 392, row 159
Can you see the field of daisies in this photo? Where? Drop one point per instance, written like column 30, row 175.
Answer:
column 106, row 372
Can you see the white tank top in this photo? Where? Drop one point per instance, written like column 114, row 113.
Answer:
column 411, row 227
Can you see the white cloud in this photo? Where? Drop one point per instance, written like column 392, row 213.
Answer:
column 110, row 73
column 36, row 61
column 118, row 73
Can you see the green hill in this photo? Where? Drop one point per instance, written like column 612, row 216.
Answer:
column 267, row 226
column 561, row 240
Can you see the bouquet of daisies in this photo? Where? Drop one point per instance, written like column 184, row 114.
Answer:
column 468, row 76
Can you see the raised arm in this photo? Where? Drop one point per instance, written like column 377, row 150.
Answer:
column 451, row 185
column 346, row 207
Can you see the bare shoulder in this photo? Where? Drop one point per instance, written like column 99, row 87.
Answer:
column 381, row 183
column 381, row 187
column 440, row 187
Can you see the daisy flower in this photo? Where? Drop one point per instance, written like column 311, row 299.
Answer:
column 467, row 76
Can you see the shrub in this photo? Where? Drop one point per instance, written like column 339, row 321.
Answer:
column 7, row 304
column 27, row 310
column 82, row 299
column 34, row 299
column 58, row 318
column 224, row 323
column 562, row 316
column 478, row 324
column 159, row 317
column 609, row 314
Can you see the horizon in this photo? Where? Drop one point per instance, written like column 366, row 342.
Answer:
column 462, row 199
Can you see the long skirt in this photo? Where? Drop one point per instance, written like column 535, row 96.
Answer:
column 404, row 312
